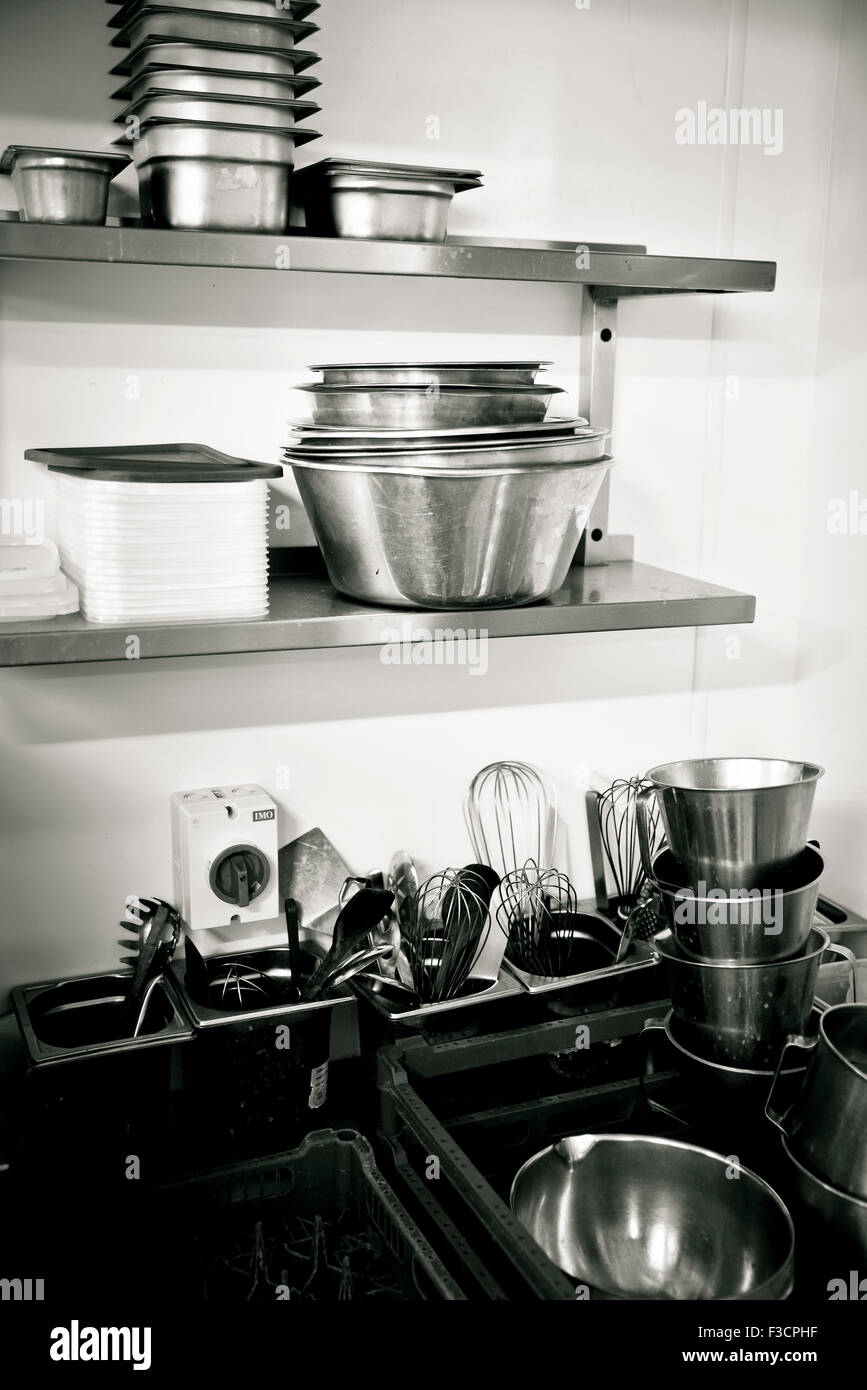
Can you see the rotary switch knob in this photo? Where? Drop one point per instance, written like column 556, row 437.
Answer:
column 239, row 874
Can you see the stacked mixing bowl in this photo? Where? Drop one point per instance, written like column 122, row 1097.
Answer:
column 442, row 484
column 738, row 885
column 213, row 100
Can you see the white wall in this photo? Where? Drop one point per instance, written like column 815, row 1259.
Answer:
column 570, row 113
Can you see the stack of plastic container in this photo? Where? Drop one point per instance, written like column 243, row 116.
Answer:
column 172, row 533
column 31, row 582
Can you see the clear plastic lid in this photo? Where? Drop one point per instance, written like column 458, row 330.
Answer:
column 22, row 559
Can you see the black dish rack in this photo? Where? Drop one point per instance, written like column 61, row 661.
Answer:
column 458, row 1121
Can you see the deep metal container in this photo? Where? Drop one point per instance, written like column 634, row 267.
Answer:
column 65, row 186
column 749, row 928
column 635, row 1217
column 245, row 9
column 378, row 201
column 741, row 1015
column 731, row 822
column 215, row 177
column 207, row 82
column 420, row 407
column 221, row 109
column 165, row 51
column 826, row 1127
column 414, row 538
column 201, row 26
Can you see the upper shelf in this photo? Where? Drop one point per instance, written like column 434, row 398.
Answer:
column 305, row 613
column 610, row 271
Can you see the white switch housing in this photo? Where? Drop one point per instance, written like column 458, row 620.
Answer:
column 207, row 825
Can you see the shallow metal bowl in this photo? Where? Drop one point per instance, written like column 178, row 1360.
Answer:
column 372, row 440
column 420, row 407
column 427, row 373
column 417, row 537
column 637, row 1217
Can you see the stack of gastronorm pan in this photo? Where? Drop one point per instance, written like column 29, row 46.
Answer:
column 214, row 94
column 442, row 484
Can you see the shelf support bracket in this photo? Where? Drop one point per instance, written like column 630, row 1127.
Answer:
column 596, row 402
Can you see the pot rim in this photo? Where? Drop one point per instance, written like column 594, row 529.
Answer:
column 668, row 889
column 824, row 943
column 818, row 1181
column 727, row 1067
column 823, row 1033
column 661, row 1141
column 528, row 470
column 811, row 773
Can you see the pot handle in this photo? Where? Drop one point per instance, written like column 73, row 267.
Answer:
column 645, row 832
column 834, row 948
column 778, row 1117
column 650, row 1026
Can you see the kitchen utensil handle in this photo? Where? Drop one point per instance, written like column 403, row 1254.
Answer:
column 597, row 861
column 645, row 833
column 778, row 1117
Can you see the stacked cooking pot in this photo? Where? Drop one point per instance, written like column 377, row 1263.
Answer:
column 738, row 885
column 442, row 484
column 213, row 100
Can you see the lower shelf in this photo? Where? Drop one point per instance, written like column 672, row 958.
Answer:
column 307, row 613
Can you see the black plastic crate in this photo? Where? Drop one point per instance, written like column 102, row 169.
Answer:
column 319, row 1222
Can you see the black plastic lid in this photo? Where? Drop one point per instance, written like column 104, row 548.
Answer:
column 154, row 463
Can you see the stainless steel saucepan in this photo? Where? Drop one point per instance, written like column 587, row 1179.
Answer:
column 731, row 822
column 746, row 927
column 741, row 1015
column 826, row 1127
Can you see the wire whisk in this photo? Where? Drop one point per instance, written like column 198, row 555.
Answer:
column 617, row 814
column 536, row 912
column 511, row 814
column 447, row 927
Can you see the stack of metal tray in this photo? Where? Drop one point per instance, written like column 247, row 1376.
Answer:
column 213, row 102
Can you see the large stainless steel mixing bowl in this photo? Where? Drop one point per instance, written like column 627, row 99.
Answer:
column 513, row 452
column 741, row 1015
column 731, row 822
column 466, row 538
column 747, row 928
column 646, row 1218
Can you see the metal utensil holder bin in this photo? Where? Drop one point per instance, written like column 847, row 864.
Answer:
column 248, row 1077
column 86, row 1089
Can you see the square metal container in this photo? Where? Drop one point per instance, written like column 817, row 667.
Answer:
column 388, row 202
column 61, row 186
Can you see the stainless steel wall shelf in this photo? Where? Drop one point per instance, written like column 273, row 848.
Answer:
column 307, row 613
column 609, row 271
